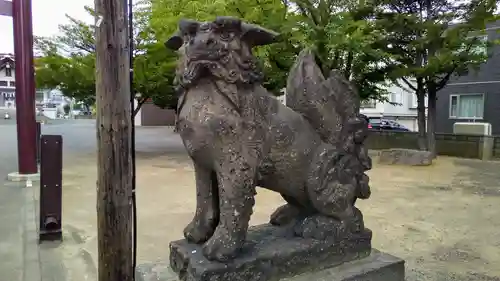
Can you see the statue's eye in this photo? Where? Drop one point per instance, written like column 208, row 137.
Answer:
column 225, row 36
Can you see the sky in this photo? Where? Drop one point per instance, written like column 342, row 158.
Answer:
column 47, row 16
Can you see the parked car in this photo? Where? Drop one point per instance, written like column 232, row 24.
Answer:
column 386, row 124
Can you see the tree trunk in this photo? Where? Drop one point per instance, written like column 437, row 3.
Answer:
column 140, row 103
column 431, row 122
column 431, row 91
column 420, row 93
column 114, row 169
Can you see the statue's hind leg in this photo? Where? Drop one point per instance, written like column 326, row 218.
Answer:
column 291, row 212
column 322, row 227
column 333, row 196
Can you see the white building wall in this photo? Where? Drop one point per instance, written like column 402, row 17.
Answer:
column 401, row 107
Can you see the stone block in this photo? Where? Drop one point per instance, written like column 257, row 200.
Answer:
column 17, row 177
column 272, row 254
column 378, row 266
column 410, row 157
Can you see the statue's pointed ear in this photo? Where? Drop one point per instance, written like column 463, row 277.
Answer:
column 229, row 23
column 186, row 26
column 174, row 42
column 255, row 35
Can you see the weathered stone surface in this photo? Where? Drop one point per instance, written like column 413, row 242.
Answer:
column 240, row 137
column 376, row 266
column 270, row 253
column 399, row 156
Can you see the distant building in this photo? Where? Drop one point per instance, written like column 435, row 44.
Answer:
column 53, row 97
column 474, row 97
column 7, row 81
column 400, row 107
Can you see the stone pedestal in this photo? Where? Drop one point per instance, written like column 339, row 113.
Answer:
column 272, row 254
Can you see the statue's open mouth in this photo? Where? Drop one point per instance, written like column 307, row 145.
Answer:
column 197, row 68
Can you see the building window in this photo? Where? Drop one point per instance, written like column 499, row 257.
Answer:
column 413, row 101
column 8, row 71
column 394, row 98
column 368, row 104
column 467, row 106
column 12, row 83
column 4, row 83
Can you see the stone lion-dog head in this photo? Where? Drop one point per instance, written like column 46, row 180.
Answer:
column 221, row 48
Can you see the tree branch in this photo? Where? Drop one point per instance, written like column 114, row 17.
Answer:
column 307, row 10
column 446, row 78
column 348, row 65
column 140, row 102
column 409, row 84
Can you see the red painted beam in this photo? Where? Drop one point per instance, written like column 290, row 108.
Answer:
column 25, row 86
column 5, row 8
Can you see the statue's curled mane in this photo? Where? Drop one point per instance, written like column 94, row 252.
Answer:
column 232, row 67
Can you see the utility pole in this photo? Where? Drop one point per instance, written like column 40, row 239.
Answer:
column 114, row 132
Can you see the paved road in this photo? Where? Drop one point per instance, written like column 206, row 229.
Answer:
column 79, row 138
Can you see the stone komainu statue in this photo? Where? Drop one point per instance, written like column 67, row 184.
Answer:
column 239, row 136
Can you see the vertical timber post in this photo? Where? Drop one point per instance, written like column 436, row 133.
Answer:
column 25, row 87
column 130, row 13
column 51, row 188
column 114, row 175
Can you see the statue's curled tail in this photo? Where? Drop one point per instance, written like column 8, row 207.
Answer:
column 332, row 107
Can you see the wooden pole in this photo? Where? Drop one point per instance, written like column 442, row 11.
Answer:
column 114, row 183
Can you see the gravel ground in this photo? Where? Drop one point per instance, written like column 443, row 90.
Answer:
column 442, row 219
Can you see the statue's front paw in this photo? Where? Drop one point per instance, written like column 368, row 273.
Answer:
column 222, row 246
column 199, row 230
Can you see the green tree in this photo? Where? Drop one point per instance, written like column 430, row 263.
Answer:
column 346, row 37
column 154, row 72
column 72, row 74
column 342, row 33
column 275, row 59
column 67, row 62
column 431, row 41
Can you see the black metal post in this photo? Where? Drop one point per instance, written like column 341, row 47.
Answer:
column 51, row 188
column 38, row 140
column 132, row 104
